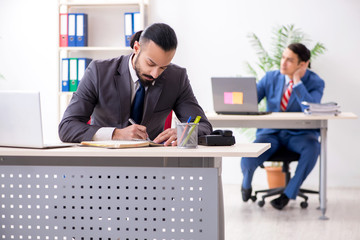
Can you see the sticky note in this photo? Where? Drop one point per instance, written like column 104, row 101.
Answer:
column 228, row 97
column 237, row 97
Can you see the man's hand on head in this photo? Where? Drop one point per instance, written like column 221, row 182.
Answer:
column 300, row 72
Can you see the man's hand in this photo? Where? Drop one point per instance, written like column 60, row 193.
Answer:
column 300, row 72
column 131, row 132
column 168, row 136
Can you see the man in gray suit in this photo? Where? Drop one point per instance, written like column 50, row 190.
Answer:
column 107, row 91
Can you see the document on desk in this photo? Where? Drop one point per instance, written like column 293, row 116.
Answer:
column 121, row 143
column 329, row 108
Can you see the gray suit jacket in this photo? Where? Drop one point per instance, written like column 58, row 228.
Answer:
column 104, row 93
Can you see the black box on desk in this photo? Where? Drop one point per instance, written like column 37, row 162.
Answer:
column 218, row 138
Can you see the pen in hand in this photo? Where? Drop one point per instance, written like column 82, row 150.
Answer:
column 133, row 123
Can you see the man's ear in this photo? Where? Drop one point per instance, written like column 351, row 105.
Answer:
column 136, row 47
column 302, row 64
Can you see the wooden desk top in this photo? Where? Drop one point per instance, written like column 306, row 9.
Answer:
column 237, row 150
column 280, row 116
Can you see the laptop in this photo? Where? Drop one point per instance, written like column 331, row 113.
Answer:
column 20, row 121
column 235, row 95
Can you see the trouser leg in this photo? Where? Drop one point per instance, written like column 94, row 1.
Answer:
column 308, row 147
column 249, row 164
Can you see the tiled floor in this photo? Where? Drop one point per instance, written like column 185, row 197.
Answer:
column 249, row 221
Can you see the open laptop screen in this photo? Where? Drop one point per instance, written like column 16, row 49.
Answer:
column 235, row 95
column 20, row 121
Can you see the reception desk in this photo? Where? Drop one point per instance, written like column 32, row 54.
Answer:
column 288, row 120
column 95, row 193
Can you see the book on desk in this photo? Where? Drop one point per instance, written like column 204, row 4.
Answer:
column 329, row 108
column 121, row 143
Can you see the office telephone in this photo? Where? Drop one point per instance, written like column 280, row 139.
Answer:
column 218, row 138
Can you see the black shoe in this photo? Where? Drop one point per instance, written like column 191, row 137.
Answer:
column 280, row 202
column 246, row 194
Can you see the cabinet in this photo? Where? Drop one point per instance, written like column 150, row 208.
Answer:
column 106, row 35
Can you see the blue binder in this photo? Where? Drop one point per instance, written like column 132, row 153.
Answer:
column 132, row 25
column 82, row 65
column 128, row 28
column 64, row 75
column 72, row 29
column 81, row 30
column 136, row 22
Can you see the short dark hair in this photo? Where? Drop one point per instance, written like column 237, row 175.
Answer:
column 301, row 51
column 160, row 33
column 135, row 37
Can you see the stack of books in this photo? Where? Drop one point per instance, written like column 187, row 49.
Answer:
column 329, row 108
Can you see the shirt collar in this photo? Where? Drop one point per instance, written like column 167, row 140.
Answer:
column 287, row 79
column 132, row 71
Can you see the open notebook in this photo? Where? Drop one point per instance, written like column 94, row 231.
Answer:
column 121, row 144
column 20, row 121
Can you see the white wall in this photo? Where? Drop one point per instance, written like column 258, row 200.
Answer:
column 212, row 42
column 28, row 53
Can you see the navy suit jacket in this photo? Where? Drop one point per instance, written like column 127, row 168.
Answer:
column 104, row 93
column 271, row 86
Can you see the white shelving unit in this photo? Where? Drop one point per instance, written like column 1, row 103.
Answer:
column 106, row 38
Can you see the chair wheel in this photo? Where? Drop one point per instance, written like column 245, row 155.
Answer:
column 303, row 204
column 261, row 203
column 253, row 198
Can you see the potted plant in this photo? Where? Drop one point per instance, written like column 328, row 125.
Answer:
column 275, row 177
column 268, row 61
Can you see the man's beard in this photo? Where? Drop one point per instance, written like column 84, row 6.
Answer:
column 145, row 83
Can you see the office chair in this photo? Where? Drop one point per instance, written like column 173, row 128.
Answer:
column 286, row 157
column 168, row 121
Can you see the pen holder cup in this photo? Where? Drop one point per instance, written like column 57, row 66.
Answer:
column 187, row 135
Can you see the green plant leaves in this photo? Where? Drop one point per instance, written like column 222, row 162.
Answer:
column 282, row 37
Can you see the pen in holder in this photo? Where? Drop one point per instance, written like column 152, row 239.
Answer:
column 187, row 135
column 183, row 133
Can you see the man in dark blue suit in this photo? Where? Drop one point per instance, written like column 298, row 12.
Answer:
column 284, row 90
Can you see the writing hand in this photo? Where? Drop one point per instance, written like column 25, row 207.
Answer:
column 131, row 132
column 168, row 136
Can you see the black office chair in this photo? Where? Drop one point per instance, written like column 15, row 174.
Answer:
column 286, row 157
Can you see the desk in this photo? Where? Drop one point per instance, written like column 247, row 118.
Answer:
column 291, row 120
column 95, row 193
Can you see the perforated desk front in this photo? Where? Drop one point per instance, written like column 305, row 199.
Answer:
column 122, row 194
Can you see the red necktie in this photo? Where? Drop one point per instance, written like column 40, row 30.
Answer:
column 285, row 98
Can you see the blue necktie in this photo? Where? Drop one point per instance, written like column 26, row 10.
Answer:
column 138, row 104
